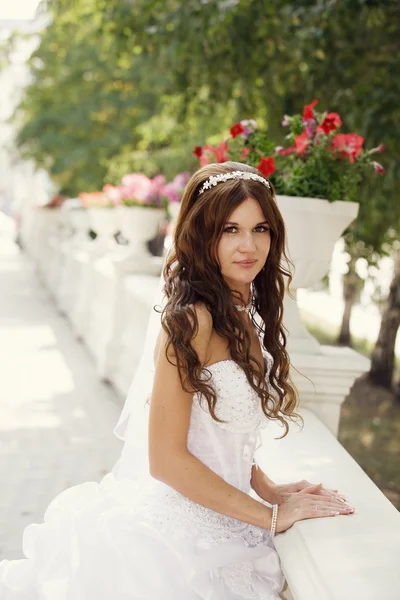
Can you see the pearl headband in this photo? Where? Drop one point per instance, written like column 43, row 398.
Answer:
column 214, row 179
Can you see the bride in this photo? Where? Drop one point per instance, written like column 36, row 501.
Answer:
column 175, row 519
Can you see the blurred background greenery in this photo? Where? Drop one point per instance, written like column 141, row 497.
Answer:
column 135, row 85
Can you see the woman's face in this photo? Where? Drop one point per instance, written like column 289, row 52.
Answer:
column 244, row 245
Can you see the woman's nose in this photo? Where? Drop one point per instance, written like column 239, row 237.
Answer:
column 247, row 243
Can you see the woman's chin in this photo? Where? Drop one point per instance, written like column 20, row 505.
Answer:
column 243, row 278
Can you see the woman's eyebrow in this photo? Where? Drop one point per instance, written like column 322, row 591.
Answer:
column 237, row 224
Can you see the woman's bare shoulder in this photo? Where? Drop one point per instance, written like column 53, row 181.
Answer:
column 204, row 319
column 201, row 335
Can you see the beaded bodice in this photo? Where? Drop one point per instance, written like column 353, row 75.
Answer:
column 228, row 448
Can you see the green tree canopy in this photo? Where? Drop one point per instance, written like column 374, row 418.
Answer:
column 135, row 85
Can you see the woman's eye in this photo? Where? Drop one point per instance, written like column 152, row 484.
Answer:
column 259, row 229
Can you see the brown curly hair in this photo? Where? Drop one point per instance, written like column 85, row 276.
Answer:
column 192, row 274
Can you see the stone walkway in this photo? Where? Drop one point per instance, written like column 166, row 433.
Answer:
column 56, row 418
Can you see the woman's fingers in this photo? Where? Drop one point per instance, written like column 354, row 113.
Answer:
column 319, row 505
column 326, row 510
column 331, row 494
column 323, row 491
column 320, row 497
column 332, row 506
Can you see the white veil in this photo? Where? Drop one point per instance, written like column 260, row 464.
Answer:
column 132, row 426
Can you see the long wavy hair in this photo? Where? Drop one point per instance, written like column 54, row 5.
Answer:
column 192, row 274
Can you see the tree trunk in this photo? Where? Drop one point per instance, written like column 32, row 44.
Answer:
column 382, row 360
column 350, row 290
column 397, row 390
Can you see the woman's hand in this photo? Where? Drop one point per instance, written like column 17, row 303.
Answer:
column 309, row 503
column 281, row 492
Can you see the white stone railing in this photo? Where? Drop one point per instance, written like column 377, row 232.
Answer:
column 354, row 557
column 348, row 557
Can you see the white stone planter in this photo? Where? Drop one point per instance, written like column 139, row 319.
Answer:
column 48, row 238
column 174, row 210
column 139, row 225
column 103, row 222
column 79, row 222
column 312, row 226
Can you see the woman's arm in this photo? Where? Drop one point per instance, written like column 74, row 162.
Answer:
column 263, row 485
column 170, row 460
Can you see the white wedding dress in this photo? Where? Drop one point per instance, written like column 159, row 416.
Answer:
column 130, row 538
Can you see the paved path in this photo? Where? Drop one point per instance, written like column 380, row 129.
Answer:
column 56, row 418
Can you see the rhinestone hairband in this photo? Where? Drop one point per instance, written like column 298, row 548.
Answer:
column 214, row 179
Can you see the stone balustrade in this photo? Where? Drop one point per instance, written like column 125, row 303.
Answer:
column 346, row 557
column 341, row 558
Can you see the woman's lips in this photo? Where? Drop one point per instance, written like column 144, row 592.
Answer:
column 247, row 264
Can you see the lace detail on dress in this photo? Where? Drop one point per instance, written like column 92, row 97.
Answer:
column 238, row 404
column 239, row 578
column 180, row 514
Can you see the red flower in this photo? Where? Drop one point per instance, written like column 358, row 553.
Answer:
column 221, row 152
column 267, row 166
column 378, row 167
column 236, row 129
column 287, row 151
column 207, row 155
column 198, row 151
column 302, row 142
column 308, row 112
column 331, row 122
column 245, row 152
column 349, row 145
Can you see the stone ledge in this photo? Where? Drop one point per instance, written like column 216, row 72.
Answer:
column 338, row 558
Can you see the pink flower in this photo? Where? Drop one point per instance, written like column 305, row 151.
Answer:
column 135, row 186
column 286, row 121
column 378, row 167
column 171, row 193
column 349, row 145
column 309, row 127
column 155, row 193
column 267, row 166
column 330, row 122
column 113, row 193
column 249, row 123
column 380, row 149
column 181, row 180
column 308, row 112
column 287, row 151
column 249, row 126
column 245, row 152
column 236, row 130
column 302, row 141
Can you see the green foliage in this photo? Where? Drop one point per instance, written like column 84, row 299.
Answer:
column 134, row 86
column 320, row 176
column 272, row 56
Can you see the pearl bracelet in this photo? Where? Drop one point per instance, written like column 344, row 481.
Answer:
column 274, row 521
